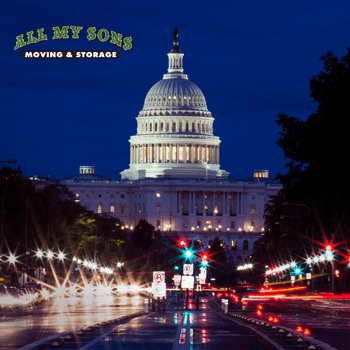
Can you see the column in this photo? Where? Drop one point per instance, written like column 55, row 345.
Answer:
column 218, row 154
column 200, row 154
column 238, row 194
column 177, row 153
column 130, row 154
column 189, row 202
column 191, row 154
column 163, row 152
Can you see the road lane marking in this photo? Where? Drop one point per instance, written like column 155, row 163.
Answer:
column 277, row 346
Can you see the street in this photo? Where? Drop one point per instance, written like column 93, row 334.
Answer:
column 178, row 327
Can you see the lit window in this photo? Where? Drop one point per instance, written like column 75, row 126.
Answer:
column 252, row 211
column 216, row 210
column 99, row 208
column 206, row 208
column 181, row 154
column 158, row 223
column 184, row 224
column 199, row 224
column 111, row 209
column 158, row 195
column 234, row 244
column 77, row 195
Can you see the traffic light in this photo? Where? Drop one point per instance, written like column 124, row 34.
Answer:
column 329, row 252
column 336, row 272
column 204, row 260
column 183, row 243
column 176, row 268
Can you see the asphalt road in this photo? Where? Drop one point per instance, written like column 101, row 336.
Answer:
column 175, row 328
column 326, row 320
column 28, row 325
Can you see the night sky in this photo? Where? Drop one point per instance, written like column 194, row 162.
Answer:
column 252, row 60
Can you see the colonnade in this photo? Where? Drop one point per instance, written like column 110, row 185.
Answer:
column 200, row 203
column 174, row 153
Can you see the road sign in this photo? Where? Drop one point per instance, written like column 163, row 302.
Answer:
column 201, row 279
column 158, row 289
column 203, row 272
column 188, row 269
column 158, row 276
column 177, row 280
column 187, row 282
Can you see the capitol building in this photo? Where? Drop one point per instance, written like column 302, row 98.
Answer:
column 174, row 179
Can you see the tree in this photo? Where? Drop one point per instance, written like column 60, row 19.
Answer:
column 317, row 176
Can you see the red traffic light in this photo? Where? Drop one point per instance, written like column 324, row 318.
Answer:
column 336, row 273
column 183, row 243
column 329, row 248
column 204, row 257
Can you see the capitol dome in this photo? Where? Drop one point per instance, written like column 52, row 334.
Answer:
column 174, row 130
column 175, row 93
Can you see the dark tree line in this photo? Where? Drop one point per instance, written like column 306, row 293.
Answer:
column 317, row 174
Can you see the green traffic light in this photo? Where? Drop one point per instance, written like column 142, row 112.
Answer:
column 188, row 254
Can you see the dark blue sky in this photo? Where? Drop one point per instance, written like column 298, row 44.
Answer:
column 252, row 60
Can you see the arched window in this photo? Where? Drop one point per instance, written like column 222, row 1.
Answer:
column 159, row 208
column 155, row 127
column 234, row 244
column 186, row 126
column 180, row 126
column 174, row 127
column 161, row 126
column 111, row 209
column 150, row 127
column 99, row 208
column 245, row 245
column 252, row 211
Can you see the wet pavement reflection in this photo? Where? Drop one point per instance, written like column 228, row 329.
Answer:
column 61, row 314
